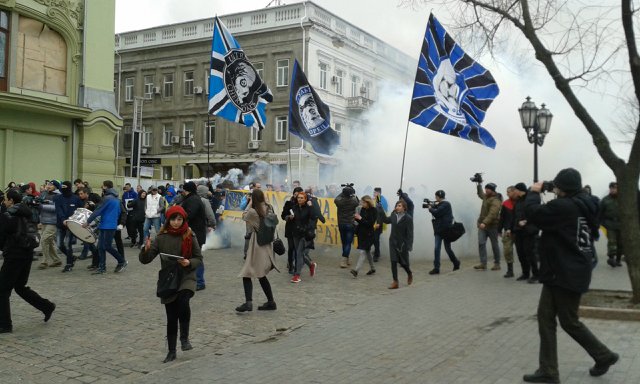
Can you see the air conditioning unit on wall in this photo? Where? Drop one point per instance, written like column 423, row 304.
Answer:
column 197, row 90
column 253, row 145
column 144, row 150
column 175, row 139
column 156, row 90
column 334, row 79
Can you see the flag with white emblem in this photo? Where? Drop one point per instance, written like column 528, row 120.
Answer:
column 236, row 91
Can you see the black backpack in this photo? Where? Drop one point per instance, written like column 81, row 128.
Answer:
column 267, row 229
column 27, row 235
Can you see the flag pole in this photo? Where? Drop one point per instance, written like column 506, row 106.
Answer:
column 208, row 146
column 404, row 153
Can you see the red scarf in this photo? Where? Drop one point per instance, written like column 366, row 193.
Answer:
column 184, row 230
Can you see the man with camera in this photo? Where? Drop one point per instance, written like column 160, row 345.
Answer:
column 442, row 221
column 346, row 202
column 566, row 256
column 488, row 223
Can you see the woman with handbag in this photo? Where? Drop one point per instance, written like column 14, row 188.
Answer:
column 400, row 240
column 260, row 259
column 366, row 219
column 176, row 238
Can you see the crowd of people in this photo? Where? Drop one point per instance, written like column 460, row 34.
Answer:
column 549, row 249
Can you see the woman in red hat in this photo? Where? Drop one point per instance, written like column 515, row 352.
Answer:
column 176, row 238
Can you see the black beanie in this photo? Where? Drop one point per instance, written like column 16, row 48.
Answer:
column 190, row 187
column 521, row 187
column 568, row 180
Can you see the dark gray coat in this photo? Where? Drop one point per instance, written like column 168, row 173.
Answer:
column 401, row 237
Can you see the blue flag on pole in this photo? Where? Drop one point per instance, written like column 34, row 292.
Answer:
column 452, row 91
column 309, row 117
column 236, row 92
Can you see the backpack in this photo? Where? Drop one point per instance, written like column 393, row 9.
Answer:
column 267, row 229
column 27, row 236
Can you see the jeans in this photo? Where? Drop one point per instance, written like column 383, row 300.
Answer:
column 105, row 240
column 66, row 247
column 347, row 231
column 436, row 252
column 302, row 254
column 492, row 234
column 563, row 304
column 148, row 222
column 364, row 253
column 86, row 248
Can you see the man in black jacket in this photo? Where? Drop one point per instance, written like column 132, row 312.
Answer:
column 346, row 203
column 566, row 253
column 15, row 270
column 193, row 205
column 525, row 233
column 442, row 221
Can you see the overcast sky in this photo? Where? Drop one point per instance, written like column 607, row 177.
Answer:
column 567, row 145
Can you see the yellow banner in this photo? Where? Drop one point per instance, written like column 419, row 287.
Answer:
column 326, row 233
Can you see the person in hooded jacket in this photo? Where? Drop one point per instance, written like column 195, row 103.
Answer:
column 566, row 257
column 14, row 274
column 138, row 207
column 176, row 238
column 66, row 204
column 109, row 212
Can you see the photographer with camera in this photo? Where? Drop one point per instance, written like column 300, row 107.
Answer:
column 346, row 202
column 566, row 256
column 488, row 223
column 442, row 220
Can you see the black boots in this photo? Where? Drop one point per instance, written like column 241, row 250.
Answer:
column 268, row 306
column 540, row 377
column 185, row 345
column 603, row 366
column 170, row 357
column 509, row 270
column 246, row 307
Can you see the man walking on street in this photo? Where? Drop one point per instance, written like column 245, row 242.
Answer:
column 566, row 256
column 506, row 227
column 610, row 218
column 346, row 202
column 381, row 203
column 488, row 226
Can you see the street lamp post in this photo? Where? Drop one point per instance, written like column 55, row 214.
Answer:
column 537, row 123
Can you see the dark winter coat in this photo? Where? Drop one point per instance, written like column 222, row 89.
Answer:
column 172, row 244
column 303, row 221
column 196, row 216
column 364, row 230
column 507, row 215
column 519, row 214
column 8, row 228
column 346, row 208
column 138, row 206
column 609, row 213
column 566, row 244
column 442, row 217
column 289, row 224
column 401, row 237
column 65, row 207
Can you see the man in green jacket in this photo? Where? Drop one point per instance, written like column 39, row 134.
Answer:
column 488, row 225
column 609, row 216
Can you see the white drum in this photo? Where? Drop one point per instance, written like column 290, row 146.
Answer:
column 76, row 222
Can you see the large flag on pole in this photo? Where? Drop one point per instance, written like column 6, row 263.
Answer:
column 309, row 117
column 236, row 92
column 452, row 91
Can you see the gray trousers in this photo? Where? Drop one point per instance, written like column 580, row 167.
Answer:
column 363, row 254
column 492, row 234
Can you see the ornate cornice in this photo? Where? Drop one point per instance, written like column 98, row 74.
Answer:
column 65, row 9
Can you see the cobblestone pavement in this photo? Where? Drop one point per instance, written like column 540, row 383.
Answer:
column 461, row 327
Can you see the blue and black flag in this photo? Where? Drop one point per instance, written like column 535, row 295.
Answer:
column 452, row 91
column 309, row 117
column 236, row 91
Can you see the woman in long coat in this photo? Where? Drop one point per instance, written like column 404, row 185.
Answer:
column 176, row 238
column 366, row 219
column 260, row 259
column 400, row 240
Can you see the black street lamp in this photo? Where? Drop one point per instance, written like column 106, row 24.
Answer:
column 537, row 123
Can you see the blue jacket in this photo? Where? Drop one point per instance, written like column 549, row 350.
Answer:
column 170, row 194
column 109, row 210
column 130, row 194
column 442, row 217
column 66, row 206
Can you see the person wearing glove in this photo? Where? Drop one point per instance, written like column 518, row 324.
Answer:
column 109, row 212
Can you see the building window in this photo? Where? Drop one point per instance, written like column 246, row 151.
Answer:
column 283, row 73
column 339, row 81
column 188, row 172
column 128, row 88
column 338, row 129
column 259, row 66
column 256, row 134
column 354, row 86
column 188, row 83
column 127, row 136
column 210, row 132
column 282, row 128
column 366, row 89
column 4, row 49
column 147, row 138
column 148, row 87
column 323, row 75
column 168, row 85
column 167, row 173
column 167, row 134
column 187, row 133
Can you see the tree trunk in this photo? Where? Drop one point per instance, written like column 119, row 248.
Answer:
column 630, row 225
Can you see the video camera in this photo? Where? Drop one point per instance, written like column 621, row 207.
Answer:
column 477, row 178
column 347, row 189
column 426, row 203
column 547, row 186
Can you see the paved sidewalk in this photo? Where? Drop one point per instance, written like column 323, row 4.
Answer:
column 462, row 327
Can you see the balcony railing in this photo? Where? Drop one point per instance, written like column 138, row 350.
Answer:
column 358, row 103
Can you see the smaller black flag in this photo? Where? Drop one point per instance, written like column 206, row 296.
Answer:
column 309, row 117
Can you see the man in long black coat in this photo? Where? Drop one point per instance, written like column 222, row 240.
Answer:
column 197, row 218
